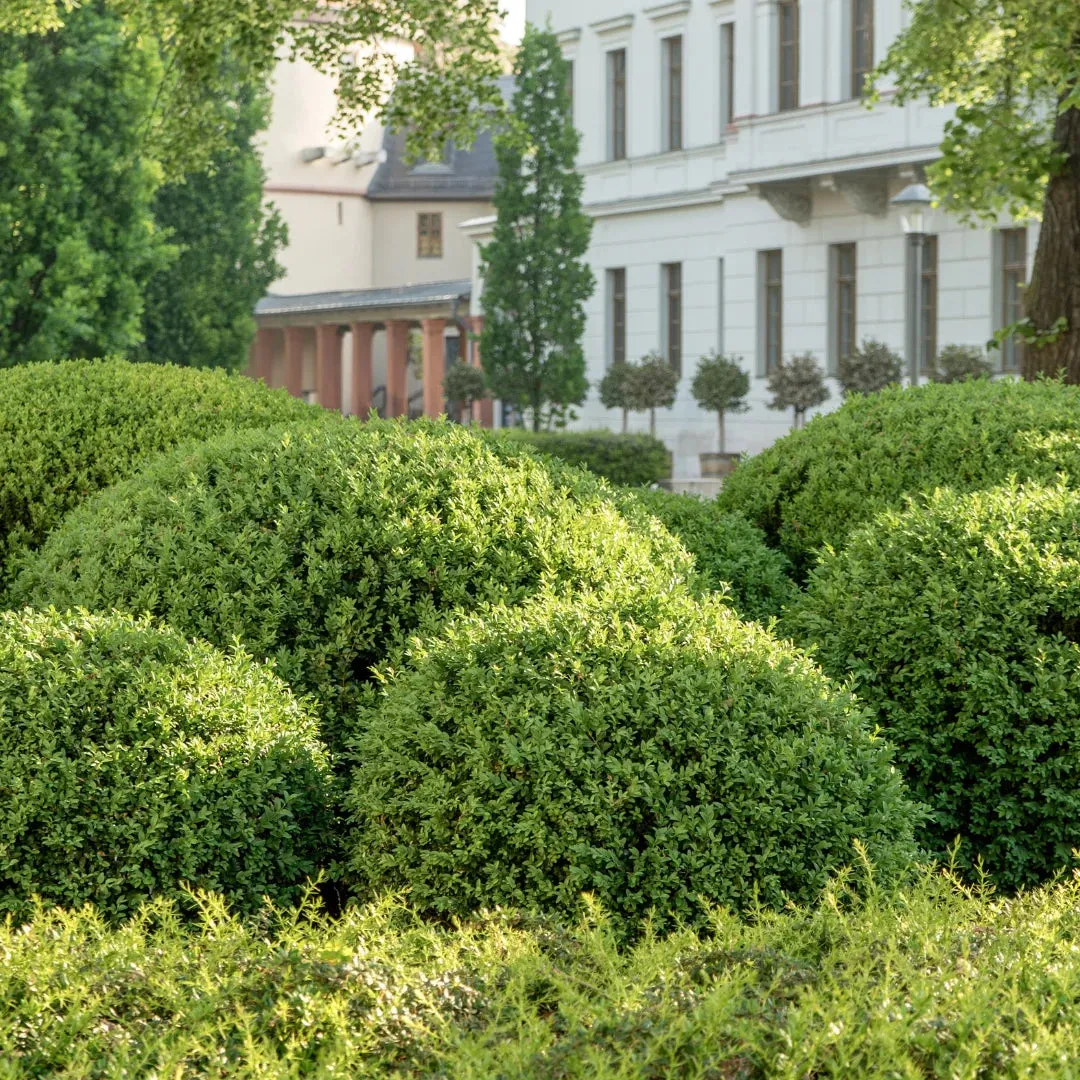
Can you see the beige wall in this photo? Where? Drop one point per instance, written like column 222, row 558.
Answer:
column 394, row 258
column 330, row 241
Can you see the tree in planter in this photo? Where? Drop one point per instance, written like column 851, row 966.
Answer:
column 799, row 384
column 870, row 368
column 651, row 384
column 1012, row 69
column 956, row 363
column 463, row 384
column 613, row 389
column 536, row 279
column 720, row 385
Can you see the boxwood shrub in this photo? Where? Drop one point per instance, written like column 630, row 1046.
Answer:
column 815, row 486
column 132, row 761
column 628, row 460
column 71, row 429
column 660, row 755
column 322, row 546
column 958, row 619
column 730, row 554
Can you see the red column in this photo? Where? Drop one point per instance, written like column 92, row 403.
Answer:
column 434, row 366
column 328, row 365
column 362, row 333
column 397, row 368
column 294, row 360
column 484, row 410
column 262, row 355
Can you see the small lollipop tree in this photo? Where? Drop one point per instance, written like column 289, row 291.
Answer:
column 463, row 384
column 720, row 385
column 614, row 390
column 958, row 363
column 651, row 385
column 870, row 368
column 797, row 383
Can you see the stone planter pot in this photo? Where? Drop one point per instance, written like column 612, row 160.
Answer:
column 717, row 466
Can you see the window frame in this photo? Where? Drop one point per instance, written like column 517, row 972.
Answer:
column 672, row 96
column 861, row 33
column 616, row 285
column 429, row 234
column 772, row 285
column 727, row 76
column 787, row 98
column 617, row 112
column 672, row 279
column 845, row 284
column 1013, row 272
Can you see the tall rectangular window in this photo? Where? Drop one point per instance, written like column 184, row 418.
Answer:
column 843, row 296
column 862, row 44
column 772, row 274
column 1013, row 279
column 672, row 280
column 788, row 68
column 727, row 76
column 429, row 236
column 673, row 93
column 616, row 60
column 616, row 291
column 928, row 301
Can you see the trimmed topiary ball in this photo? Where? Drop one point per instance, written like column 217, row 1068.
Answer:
column 959, row 621
column 815, row 486
column 663, row 757
column 132, row 762
column 73, row 428
column 730, row 554
column 323, row 546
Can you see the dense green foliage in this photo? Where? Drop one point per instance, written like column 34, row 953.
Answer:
column 79, row 239
column 322, row 545
column 536, row 280
column 797, row 383
column 654, row 752
column 132, row 762
column 720, row 385
column 623, row 460
column 870, row 368
column 814, row 486
column 957, row 363
column 651, row 384
column 730, row 554
column 957, row 619
column 71, row 429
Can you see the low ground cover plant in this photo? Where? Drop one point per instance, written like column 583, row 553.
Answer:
column 730, row 554
column 657, row 753
column 624, row 460
column 958, row 621
column 73, row 428
column 815, row 486
column 133, row 761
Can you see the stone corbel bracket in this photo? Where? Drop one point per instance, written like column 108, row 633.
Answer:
column 792, row 199
column 866, row 192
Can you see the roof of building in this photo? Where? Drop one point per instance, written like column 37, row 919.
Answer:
column 436, row 292
column 464, row 174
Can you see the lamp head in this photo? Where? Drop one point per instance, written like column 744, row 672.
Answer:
column 914, row 201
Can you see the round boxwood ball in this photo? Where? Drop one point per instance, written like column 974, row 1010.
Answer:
column 133, row 762
column 958, row 619
column 73, row 428
column 323, row 546
column 661, row 755
column 817, row 485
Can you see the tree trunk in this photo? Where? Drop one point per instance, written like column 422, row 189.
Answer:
column 720, row 416
column 625, row 420
column 652, row 423
column 1055, row 279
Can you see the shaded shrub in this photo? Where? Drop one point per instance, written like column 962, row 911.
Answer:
column 730, row 554
column 870, row 368
column 73, row 428
column 626, row 460
column 660, row 756
column 958, row 619
column 957, row 363
column 321, row 546
column 815, row 486
column 132, row 761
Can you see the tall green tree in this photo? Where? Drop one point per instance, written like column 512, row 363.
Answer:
column 535, row 279
column 199, row 310
column 1011, row 68
column 77, row 235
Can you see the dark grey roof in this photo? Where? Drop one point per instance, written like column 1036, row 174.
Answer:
column 436, row 292
column 466, row 174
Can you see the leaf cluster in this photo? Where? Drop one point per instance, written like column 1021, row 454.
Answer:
column 797, row 383
column 869, row 369
column 652, row 383
column 464, row 383
column 720, row 384
column 623, row 460
column 958, row 363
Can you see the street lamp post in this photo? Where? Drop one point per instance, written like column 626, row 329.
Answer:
column 914, row 201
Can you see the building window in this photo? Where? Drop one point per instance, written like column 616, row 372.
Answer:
column 616, row 290
column 928, row 302
column 1013, row 279
column 789, row 54
column 772, row 273
column 672, row 283
column 727, row 76
column 673, row 93
column 843, row 296
column 862, row 44
column 429, row 236
column 617, row 104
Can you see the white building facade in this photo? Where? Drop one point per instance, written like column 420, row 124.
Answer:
column 741, row 194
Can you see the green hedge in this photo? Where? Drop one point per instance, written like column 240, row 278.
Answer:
column 625, row 460
column 71, row 429
column 730, row 554
column 323, row 546
column 958, row 620
column 814, row 486
column 132, row 761
column 660, row 756
column 935, row 985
